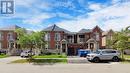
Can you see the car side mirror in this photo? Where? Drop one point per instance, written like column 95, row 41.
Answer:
column 100, row 53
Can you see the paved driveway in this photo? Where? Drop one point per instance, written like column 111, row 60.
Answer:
column 9, row 59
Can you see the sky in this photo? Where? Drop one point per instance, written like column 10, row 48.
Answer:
column 72, row 15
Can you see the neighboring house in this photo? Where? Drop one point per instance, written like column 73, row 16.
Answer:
column 69, row 42
column 8, row 38
column 107, row 35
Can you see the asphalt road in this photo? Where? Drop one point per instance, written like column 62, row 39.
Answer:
column 75, row 65
column 66, row 68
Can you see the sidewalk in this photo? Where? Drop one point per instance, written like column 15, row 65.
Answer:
column 9, row 59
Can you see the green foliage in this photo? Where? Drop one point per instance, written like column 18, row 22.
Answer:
column 39, row 61
column 30, row 40
column 120, row 40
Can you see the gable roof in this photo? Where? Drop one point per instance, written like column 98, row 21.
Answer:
column 55, row 28
column 11, row 27
column 84, row 30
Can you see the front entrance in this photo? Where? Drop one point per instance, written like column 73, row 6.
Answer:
column 71, row 51
column 92, row 44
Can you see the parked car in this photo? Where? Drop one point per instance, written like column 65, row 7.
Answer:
column 25, row 54
column 105, row 54
column 3, row 51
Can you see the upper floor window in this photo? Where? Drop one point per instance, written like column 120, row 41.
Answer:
column 47, row 37
column 0, row 45
column 70, row 39
column 57, row 37
column 10, row 36
column 97, row 36
column 1, row 35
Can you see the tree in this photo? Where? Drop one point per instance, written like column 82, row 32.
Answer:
column 31, row 40
column 120, row 41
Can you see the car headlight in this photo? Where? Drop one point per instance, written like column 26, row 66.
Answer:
column 92, row 55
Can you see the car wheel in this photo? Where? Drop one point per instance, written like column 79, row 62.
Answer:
column 96, row 59
column 115, row 59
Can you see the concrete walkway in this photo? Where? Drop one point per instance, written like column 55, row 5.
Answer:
column 9, row 59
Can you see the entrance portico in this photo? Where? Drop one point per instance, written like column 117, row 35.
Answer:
column 92, row 44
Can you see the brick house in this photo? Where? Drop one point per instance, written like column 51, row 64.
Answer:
column 69, row 42
column 57, row 39
column 8, row 38
column 107, row 35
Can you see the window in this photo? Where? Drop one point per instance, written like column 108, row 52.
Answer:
column 81, row 38
column 70, row 39
column 1, row 35
column 10, row 36
column 47, row 37
column 47, row 46
column 107, row 52
column 57, row 36
column 0, row 45
column 57, row 45
column 97, row 36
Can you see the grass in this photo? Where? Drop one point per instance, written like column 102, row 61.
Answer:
column 51, row 56
column 3, row 56
column 37, row 61
column 127, row 56
column 126, row 59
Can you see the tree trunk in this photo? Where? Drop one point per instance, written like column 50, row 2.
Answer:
column 122, row 54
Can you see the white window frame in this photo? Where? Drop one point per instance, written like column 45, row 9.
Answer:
column 47, row 36
column 1, row 35
column 0, row 45
column 10, row 36
column 57, row 37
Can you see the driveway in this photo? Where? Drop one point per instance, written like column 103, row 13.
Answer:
column 9, row 59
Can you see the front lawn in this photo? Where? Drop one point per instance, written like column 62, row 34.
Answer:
column 51, row 56
column 3, row 56
column 126, row 59
column 38, row 61
column 127, row 56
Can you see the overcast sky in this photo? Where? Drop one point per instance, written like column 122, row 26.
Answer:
column 72, row 15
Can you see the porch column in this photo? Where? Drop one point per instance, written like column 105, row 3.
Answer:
column 88, row 45
column 95, row 46
column 66, row 48
column 61, row 49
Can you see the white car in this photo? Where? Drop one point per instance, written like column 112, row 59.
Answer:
column 26, row 54
column 105, row 54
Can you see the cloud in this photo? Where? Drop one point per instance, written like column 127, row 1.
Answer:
column 64, row 15
column 113, row 17
column 38, row 19
column 95, row 7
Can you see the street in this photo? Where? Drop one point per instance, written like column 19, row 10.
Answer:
column 66, row 68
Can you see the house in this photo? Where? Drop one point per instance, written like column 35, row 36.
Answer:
column 8, row 38
column 107, row 35
column 70, row 42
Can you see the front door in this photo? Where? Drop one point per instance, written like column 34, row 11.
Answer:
column 71, row 51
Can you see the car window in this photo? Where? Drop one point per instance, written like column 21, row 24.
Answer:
column 107, row 52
